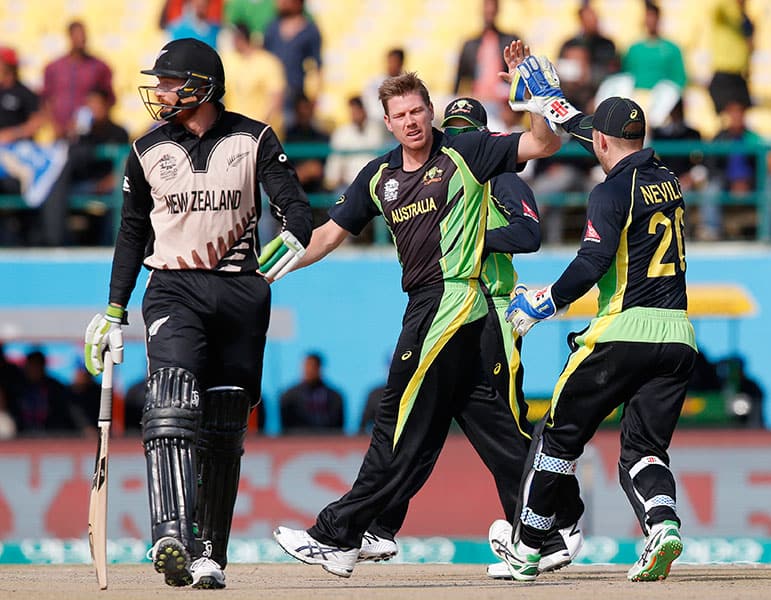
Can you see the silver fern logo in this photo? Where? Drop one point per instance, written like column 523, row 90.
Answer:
column 155, row 326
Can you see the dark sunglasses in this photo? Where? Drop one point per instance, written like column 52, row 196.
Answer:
column 453, row 131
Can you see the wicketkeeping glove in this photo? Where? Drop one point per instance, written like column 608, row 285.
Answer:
column 541, row 79
column 280, row 255
column 529, row 307
column 104, row 332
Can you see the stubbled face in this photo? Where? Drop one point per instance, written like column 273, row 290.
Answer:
column 409, row 119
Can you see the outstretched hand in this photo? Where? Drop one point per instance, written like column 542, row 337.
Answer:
column 513, row 55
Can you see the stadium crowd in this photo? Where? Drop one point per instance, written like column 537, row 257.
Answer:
column 51, row 138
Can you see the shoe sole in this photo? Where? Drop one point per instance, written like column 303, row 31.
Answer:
column 381, row 557
column 208, row 583
column 172, row 560
column 310, row 561
column 661, row 562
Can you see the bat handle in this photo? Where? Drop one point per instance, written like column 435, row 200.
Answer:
column 105, row 400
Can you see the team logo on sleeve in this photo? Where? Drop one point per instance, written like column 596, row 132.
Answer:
column 590, row 233
column 529, row 212
column 390, row 190
column 126, row 184
column 433, row 175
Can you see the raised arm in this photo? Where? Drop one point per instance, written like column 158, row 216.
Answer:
column 540, row 141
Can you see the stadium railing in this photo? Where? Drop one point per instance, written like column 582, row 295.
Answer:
column 760, row 198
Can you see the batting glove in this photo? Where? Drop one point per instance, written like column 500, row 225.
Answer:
column 529, row 307
column 104, row 332
column 280, row 255
column 541, row 79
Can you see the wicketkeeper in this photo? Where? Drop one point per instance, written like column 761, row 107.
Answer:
column 637, row 353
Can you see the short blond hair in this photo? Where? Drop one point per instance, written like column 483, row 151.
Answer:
column 401, row 85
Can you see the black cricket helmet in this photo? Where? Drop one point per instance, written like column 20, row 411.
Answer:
column 193, row 61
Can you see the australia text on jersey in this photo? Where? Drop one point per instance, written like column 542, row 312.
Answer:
column 202, row 200
column 420, row 207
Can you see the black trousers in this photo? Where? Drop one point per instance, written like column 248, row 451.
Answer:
column 436, row 375
column 212, row 324
column 649, row 380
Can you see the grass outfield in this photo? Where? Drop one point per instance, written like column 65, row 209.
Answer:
column 391, row 582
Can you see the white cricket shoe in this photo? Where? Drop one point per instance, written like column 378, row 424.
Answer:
column 555, row 555
column 170, row 557
column 207, row 574
column 522, row 566
column 299, row 544
column 661, row 549
column 376, row 548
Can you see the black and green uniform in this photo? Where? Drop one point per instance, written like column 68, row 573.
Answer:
column 638, row 352
column 437, row 216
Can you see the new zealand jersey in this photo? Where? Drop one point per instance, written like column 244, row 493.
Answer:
column 193, row 202
column 512, row 227
column 633, row 242
column 436, row 214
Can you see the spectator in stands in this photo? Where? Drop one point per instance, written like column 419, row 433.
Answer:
column 689, row 169
column 85, row 395
column 68, row 80
column 310, row 169
column 394, row 66
column 734, row 173
column 296, row 40
column 174, row 9
column 196, row 23
column 134, row 401
column 11, row 384
column 362, row 136
column 731, row 46
column 481, row 59
column 255, row 14
column 370, row 409
column 94, row 127
column 43, row 405
column 602, row 51
column 26, row 167
column 20, row 116
column 89, row 173
column 256, row 80
column 654, row 58
column 312, row 405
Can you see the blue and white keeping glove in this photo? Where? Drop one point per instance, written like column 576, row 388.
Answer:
column 104, row 332
column 529, row 307
column 547, row 99
column 280, row 255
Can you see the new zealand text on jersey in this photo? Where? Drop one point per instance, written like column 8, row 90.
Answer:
column 404, row 213
column 202, row 200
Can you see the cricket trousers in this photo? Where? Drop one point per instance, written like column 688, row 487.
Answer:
column 436, row 374
column 211, row 324
column 501, row 361
column 650, row 381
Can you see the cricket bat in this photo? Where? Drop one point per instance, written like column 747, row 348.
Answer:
column 97, row 506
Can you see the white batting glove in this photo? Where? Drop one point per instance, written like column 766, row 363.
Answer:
column 105, row 331
column 280, row 255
